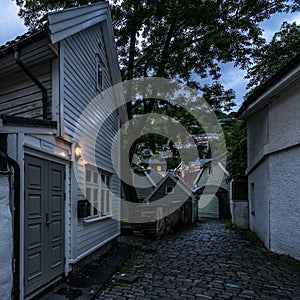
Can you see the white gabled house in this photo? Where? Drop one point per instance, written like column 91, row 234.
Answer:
column 47, row 78
column 273, row 129
column 213, row 190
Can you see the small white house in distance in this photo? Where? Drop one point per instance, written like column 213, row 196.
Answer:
column 272, row 113
column 47, row 79
column 213, row 191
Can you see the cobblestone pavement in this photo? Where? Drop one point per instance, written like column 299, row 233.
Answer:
column 207, row 262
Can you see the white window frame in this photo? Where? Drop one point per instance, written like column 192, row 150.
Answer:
column 98, row 194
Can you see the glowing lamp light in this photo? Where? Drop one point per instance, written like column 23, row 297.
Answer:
column 78, row 151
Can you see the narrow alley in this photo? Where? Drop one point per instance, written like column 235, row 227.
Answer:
column 206, row 262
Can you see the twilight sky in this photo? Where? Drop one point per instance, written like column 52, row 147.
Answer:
column 11, row 26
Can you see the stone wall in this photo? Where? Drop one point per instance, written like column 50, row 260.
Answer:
column 168, row 220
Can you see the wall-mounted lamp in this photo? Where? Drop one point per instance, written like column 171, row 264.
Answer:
column 77, row 151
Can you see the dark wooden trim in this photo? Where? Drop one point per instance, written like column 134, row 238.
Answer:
column 21, row 121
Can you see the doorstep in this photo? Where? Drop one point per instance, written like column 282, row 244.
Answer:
column 86, row 283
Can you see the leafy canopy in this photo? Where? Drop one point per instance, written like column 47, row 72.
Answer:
column 237, row 147
column 180, row 39
column 283, row 47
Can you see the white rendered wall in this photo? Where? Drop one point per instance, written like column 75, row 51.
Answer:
column 240, row 213
column 284, row 120
column 258, row 187
column 274, row 165
column 285, row 202
column 6, row 238
column 284, row 169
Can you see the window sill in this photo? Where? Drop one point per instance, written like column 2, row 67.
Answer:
column 96, row 219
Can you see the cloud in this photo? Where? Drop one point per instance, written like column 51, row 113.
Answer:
column 11, row 25
column 273, row 25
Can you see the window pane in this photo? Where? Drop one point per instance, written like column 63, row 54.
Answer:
column 108, row 181
column 103, row 178
column 107, row 202
column 89, row 194
column 100, row 76
column 88, row 176
column 169, row 190
column 95, row 211
column 95, row 177
column 103, row 201
column 95, row 195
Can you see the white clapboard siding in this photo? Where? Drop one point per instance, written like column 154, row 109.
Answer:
column 80, row 89
column 20, row 96
column 32, row 55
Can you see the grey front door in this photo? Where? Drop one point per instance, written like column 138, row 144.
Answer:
column 44, row 222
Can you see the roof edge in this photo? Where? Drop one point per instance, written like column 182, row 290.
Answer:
column 24, row 40
column 261, row 89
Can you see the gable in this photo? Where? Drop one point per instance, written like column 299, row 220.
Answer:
column 67, row 22
column 213, row 174
column 180, row 193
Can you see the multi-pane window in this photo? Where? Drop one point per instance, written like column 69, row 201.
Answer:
column 97, row 187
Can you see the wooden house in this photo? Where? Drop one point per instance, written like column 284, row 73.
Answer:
column 47, row 79
column 169, row 206
column 212, row 186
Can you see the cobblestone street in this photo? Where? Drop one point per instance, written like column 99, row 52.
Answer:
column 206, row 262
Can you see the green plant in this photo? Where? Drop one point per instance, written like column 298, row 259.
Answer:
column 230, row 225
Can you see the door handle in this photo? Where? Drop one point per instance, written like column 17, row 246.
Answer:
column 47, row 219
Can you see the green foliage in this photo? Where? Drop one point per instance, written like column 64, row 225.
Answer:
column 283, row 47
column 180, row 39
column 150, row 141
column 229, row 225
column 188, row 154
column 237, row 147
column 186, row 41
column 173, row 162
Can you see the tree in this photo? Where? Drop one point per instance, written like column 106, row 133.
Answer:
column 237, row 147
column 181, row 40
column 283, row 47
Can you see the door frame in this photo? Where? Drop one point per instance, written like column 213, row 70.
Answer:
column 35, row 152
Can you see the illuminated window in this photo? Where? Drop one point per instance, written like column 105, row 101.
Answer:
column 97, row 188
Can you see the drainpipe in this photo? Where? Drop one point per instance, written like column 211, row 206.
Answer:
column 16, row 226
column 35, row 80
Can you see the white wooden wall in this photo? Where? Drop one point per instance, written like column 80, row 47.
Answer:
column 19, row 95
column 78, row 54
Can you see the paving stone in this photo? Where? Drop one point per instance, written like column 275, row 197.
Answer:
column 207, row 262
column 126, row 278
